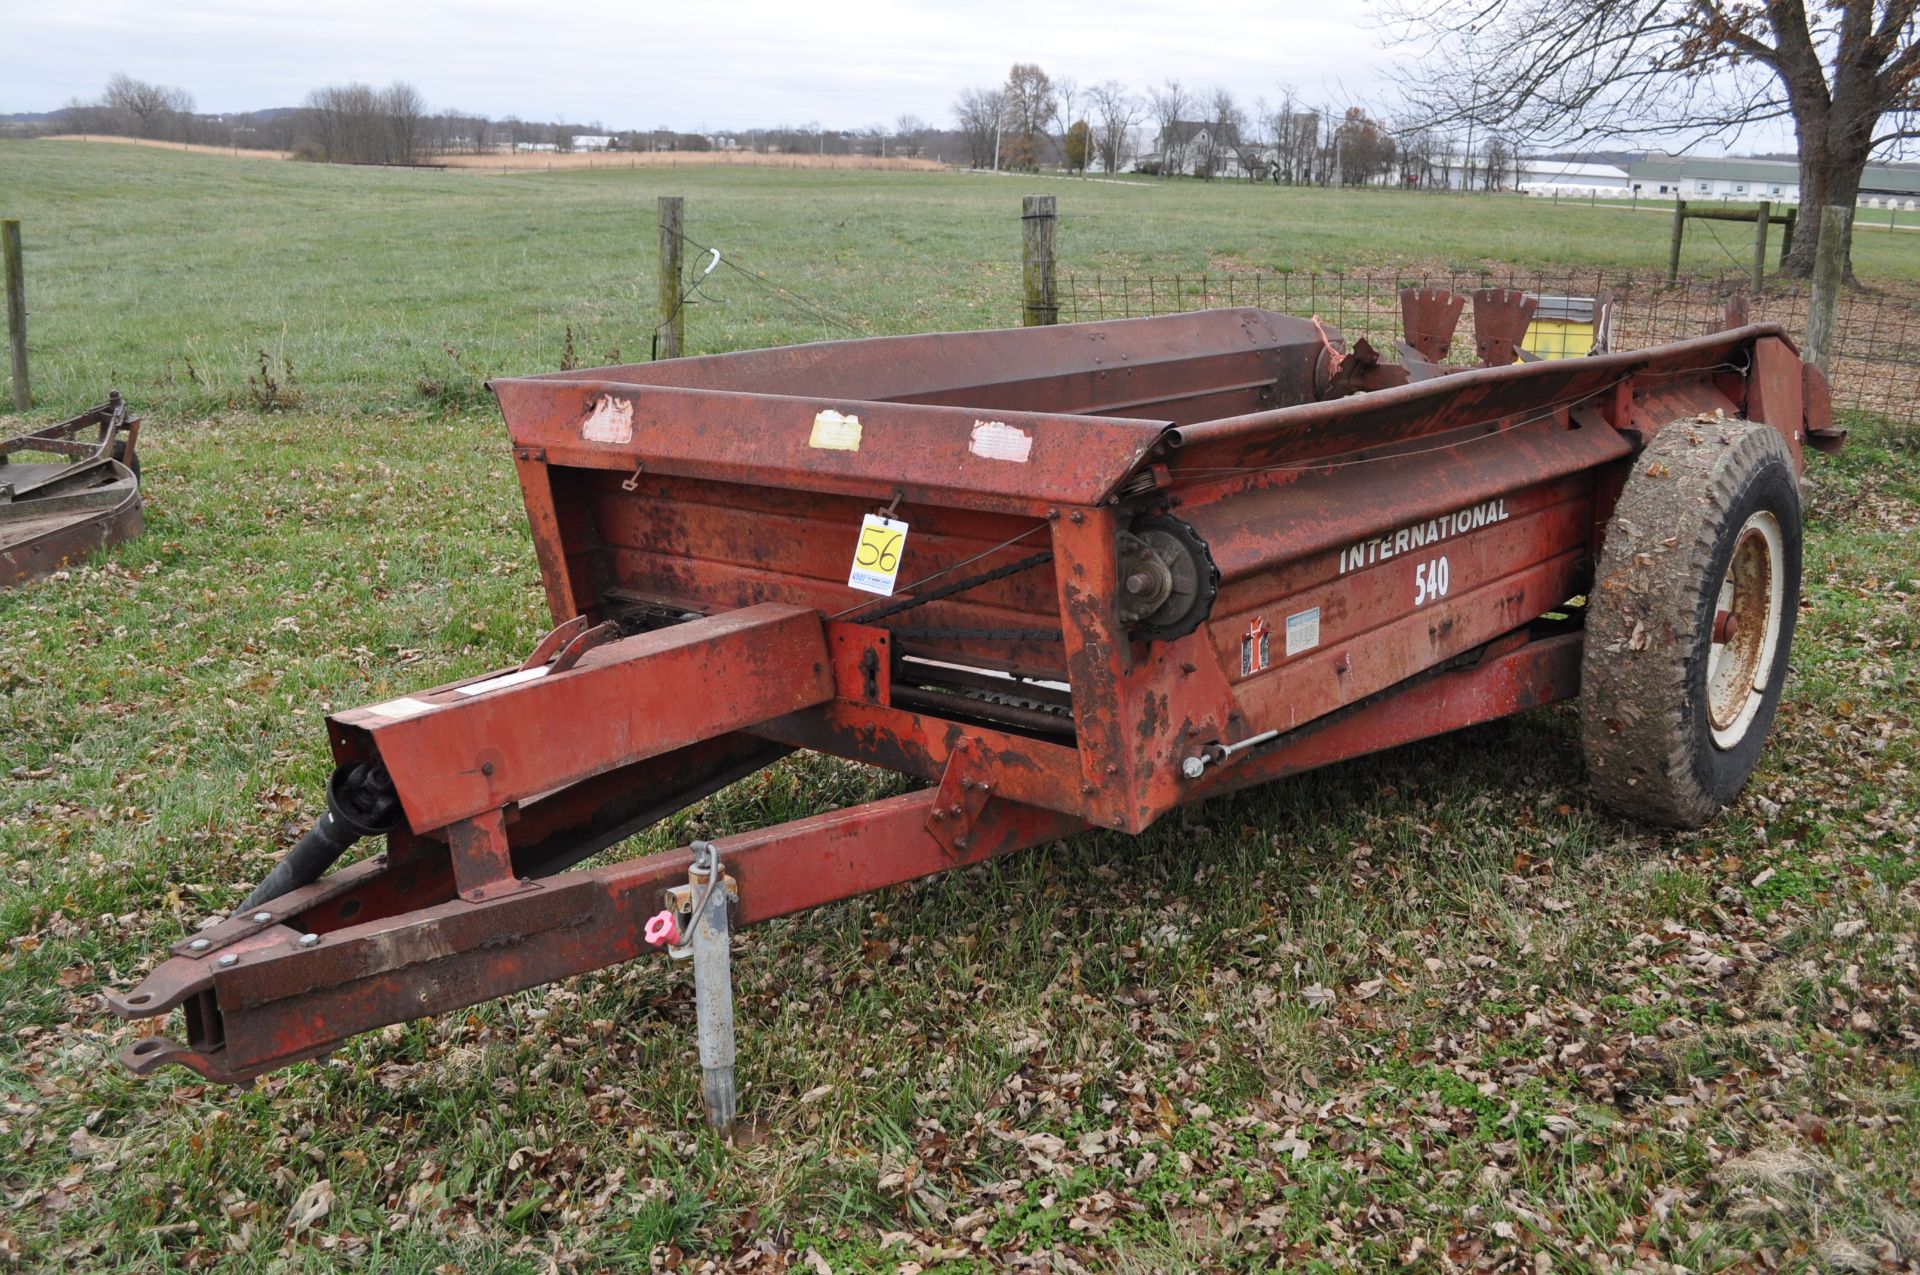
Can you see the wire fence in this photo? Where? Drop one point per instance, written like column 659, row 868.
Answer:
column 1876, row 360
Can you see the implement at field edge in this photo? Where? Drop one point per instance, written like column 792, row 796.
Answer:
column 54, row 512
column 1105, row 570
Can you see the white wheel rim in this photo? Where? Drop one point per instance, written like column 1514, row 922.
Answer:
column 1745, row 636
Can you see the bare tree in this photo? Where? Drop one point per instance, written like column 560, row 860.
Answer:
column 146, row 110
column 1221, row 138
column 979, row 113
column 910, row 136
column 1066, row 94
column 1169, row 103
column 1117, row 111
column 1365, row 150
column 1498, row 163
column 1031, row 106
column 1845, row 72
column 404, row 108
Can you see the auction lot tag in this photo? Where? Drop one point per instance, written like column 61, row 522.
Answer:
column 876, row 559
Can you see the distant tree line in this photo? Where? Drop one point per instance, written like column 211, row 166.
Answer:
column 360, row 124
column 1034, row 118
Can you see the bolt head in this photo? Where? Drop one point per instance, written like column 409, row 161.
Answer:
column 200, row 945
column 959, row 843
column 309, row 940
column 261, row 918
column 1193, row 767
column 228, row 959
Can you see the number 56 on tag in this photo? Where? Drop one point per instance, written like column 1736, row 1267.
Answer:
column 876, row 558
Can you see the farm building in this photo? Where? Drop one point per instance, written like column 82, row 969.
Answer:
column 1548, row 177
column 1776, row 180
column 1197, row 147
column 592, row 141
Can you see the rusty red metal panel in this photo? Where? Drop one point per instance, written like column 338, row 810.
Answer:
column 1774, row 392
column 1172, row 367
column 1299, row 434
column 454, row 753
column 1258, row 520
column 1005, row 460
column 1526, row 676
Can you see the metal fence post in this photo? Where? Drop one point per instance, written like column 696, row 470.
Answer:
column 670, row 337
column 1760, row 243
column 1829, row 266
column 16, row 312
column 1042, row 302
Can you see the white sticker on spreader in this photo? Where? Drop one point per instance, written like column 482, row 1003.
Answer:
column 406, row 706
column 504, row 680
column 610, row 421
column 876, row 557
column 997, row 440
column 835, row 432
column 1303, row 631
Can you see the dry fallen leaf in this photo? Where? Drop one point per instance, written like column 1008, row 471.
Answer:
column 310, row 1206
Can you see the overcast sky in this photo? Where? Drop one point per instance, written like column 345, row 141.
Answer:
column 712, row 65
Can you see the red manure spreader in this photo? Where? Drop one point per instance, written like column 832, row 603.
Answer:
column 1067, row 578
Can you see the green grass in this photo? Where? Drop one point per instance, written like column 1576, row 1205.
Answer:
column 171, row 274
column 1552, row 1032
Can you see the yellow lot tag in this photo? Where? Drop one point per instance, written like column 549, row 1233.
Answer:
column 876, row 559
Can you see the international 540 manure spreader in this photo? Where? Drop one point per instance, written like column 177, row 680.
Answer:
column 1066, row 578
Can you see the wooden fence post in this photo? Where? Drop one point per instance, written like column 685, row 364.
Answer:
column 1679, row 229
column 1760, row 243
column 670, row 338
column 1829, row 267
column 16, row 312
column 1042, row 302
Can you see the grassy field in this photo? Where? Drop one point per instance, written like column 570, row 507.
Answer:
column 1426, row 1011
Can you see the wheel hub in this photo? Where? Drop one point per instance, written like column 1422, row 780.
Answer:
column 1746, row 629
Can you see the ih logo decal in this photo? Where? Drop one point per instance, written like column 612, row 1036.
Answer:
column 1256, row 647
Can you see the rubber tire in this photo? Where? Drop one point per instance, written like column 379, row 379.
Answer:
column 1643, row 712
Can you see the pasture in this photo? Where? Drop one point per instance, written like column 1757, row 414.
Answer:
column 1427, row 1011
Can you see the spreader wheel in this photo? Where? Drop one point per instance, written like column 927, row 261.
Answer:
column 1690, row 621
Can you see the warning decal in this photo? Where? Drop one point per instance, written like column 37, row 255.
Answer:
column 610, row 421
column 1303, row 631
column 835, row 432
column 997, row 440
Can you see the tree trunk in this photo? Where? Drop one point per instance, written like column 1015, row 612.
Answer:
column 1836, row 140
column 1826, row 178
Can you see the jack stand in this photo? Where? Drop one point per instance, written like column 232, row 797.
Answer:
column 712, row 944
